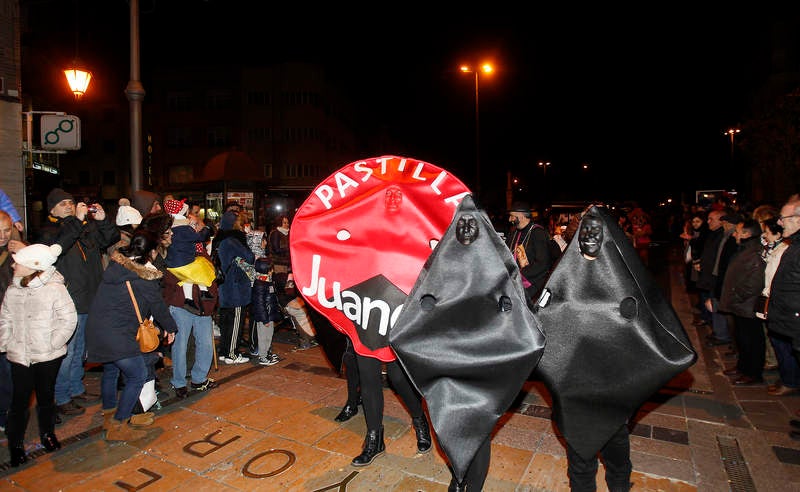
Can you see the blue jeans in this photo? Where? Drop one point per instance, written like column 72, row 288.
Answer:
column 200, row 326
column 6, row 386
column 134, row 371
column 719, row 324
column 69, row 382
column 788, row 368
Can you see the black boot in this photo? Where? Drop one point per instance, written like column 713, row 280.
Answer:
column 347, row 413
column 423, row 433
column 50, row 442
column 373, row 447
column 17, row 450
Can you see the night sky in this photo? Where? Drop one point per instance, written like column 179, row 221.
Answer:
column 630, row 92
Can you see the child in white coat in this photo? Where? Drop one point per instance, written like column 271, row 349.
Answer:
column 37, row 319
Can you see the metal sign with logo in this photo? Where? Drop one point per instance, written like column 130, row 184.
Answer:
column 60, row 132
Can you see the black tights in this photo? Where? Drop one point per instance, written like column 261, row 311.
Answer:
column 369, row 371
column 351, row 372
column 39, row 378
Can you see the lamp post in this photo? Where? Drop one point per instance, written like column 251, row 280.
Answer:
column 135, row 93
column 487, row 69
column 544, row 166
column 732, row 133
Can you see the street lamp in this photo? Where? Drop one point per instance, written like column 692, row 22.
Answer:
column 544, row 166
column 78, row 80
column 732, row 133
column 486, row 68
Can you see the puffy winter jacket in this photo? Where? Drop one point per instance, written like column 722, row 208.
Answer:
column 37, row 321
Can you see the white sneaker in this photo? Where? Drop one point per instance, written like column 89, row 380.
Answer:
column 240, row 359
column 267, row 360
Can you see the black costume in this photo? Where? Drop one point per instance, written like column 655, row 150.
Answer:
column 467, row 339
column 612, row 339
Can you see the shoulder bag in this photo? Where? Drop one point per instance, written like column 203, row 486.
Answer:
column 148, row 334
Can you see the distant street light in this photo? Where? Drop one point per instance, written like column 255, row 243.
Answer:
column 732, row 133
column 544, row 166
column 487, row 69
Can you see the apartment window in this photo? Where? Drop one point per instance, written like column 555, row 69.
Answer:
column 259, row 98
column 179, row 137
column 179, row 101
column 219, row 136
column 219, row 100
column 258, row 135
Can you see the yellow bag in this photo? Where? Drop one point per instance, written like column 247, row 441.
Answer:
column 148, row 335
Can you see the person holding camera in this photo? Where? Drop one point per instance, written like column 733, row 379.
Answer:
column 83, row 235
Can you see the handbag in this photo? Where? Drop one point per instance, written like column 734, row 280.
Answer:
column 147, row 335
column 761, row 307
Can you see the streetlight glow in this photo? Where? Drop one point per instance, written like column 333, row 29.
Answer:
column 732, row 133
column 78, row 80
column 544, row 166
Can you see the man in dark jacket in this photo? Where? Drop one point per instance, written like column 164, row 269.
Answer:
column 83, row 237
column 743, row 283
column 784, row 303
column 717, row 251
column 528, row 244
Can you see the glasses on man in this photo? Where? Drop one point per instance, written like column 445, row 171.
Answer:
column 784, row 217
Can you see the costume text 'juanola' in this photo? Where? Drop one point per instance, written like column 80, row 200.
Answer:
column 361, row 238
column 465, row 335
column 612, row 337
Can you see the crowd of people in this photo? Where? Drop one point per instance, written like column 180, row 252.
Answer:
column 151, row 259
column 742, row 276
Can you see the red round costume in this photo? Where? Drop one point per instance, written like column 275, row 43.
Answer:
column 360, row 240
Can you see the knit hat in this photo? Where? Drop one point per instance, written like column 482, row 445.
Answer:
column 37, row 256
column 123, row 201
column 56, row 196
column 176, row 207
column 127, row 215
column 227, row 220
column 143, row 200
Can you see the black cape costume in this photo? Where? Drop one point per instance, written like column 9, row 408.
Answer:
column 612, row 339
column 466, row 336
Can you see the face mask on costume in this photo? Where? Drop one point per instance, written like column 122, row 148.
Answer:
column 466, row 229
column 590, row 236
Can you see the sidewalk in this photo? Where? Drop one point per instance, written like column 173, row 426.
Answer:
column 272, row 428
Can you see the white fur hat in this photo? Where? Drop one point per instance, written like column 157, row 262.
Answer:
column 37, row 256
column 127, row 215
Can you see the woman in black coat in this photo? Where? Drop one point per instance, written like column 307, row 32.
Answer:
column 111, row 331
